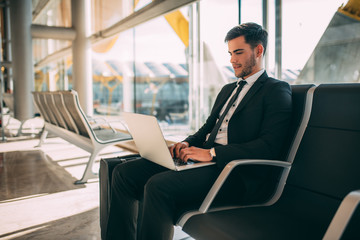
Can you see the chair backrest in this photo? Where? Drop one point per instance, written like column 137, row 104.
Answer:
column 72, row 104
column 46, row 107
column 57, row 96
column 54, row 109
column 301, row 101
column 8, row 98
column 301, row 108
column 38, row 104
column 328, row 157
column 326, row 166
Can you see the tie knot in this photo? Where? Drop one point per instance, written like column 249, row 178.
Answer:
column 241, row 82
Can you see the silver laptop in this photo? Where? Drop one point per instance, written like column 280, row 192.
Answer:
column 151, row 144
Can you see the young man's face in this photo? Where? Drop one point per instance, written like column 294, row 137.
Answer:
column 244, row 60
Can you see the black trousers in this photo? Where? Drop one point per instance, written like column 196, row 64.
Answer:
column 162, row 194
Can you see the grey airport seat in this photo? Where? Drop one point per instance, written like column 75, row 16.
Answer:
column 301, row 100
column 323, row 176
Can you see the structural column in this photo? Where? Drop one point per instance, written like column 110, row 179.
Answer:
column 81, row 50
column 278, row 39
column 265, row 14
column 22, row 58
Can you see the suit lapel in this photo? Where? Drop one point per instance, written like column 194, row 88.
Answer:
column 224, row 99
column 252, row 91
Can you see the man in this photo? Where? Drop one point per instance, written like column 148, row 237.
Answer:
column 249, row 119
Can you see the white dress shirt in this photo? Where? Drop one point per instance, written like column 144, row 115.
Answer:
column 222, row 135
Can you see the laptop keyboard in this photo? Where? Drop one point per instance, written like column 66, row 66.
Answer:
column 179, row 162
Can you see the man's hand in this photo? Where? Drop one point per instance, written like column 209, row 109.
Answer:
column 194, row 153
column 175, row 148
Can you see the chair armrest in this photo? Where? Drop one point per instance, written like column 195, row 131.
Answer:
column 100, row 122
column 226, row 172
column 343, row 216
column 222, row 178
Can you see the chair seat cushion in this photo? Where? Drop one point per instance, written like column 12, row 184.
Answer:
column 291, row 217
column 108, row 135
column 252, row 223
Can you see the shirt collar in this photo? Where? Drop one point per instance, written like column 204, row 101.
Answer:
column 252, row 79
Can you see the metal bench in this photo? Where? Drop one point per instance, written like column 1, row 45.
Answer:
column 64, row 118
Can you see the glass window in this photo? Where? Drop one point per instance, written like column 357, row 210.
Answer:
column 105, row 13
column 173, row 66
column 113, row 76
column 55, row 76
column 52, row 13
column 161, row 79
column 45, row 47
column 319, row 44
column 139, row 4
column 302, row 32
column 216, row 19
column 303, row 25
column 146, row 71
column 251, row 11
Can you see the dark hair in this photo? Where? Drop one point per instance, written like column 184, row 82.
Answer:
column 253, row 33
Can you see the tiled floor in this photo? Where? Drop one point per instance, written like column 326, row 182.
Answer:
column 38, row 199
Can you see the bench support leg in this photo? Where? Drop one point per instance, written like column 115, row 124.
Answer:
column 20, row 129
column 42, row 137
column 88, row 173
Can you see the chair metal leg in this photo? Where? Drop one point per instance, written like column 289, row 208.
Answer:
column 42, row 137
column 20, row 128
column 88, row 173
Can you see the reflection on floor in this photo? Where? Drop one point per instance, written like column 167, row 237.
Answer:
column 38, row 199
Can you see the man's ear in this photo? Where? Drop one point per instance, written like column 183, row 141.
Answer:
column 259, row 50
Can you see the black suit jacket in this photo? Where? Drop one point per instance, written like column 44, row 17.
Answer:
column 258, row 126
